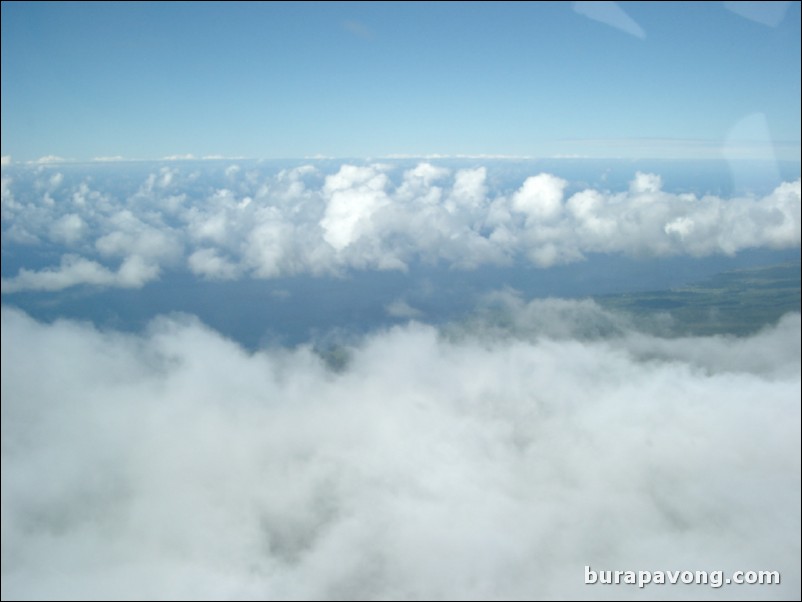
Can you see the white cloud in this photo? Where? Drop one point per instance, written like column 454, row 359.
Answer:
column 422, row 185
column 540, row 198
column 427, row 173
column 209, row 264
column 481, row 465
column 7, row 202
column 433, row 156
column 401, row 309
column 134, row 272
column 5, row 160
column 48, row 159
column 248, row 223
column 645, row 183
column 267, row 244
column 68, row 230
column 469, row 190
column 130, row 236
column 354, row 195
column 55, row 180
column 112, row 159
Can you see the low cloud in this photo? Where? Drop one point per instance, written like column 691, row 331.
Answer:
column 238, row 221
column 208, row 264
column 48, row 159
column 401, row 309
column 112, row 159
column 486, row 462
column 134, row 272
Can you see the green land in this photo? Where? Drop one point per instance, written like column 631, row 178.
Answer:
column 739, row 302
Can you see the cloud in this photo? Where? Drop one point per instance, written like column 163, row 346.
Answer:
column 401, row 309
column 431, row 156
column 646, row 183
column 5, row 160
column 130, row 236
column 354, row 195
column 112, row 159
column 540, row 198
column 492, row 463
column 468, row 193
column 48, row 159
column 68, row 230
column 739, row 148
column 134, row 272
column 209, row 264
column 227, row 222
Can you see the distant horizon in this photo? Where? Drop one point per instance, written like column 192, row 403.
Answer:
column 8, row 160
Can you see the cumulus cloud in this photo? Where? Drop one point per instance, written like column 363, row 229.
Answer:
column 469, row 189
column 68, row 229
column 487, row 463
column 240, row 220
column 353, row 194
column 130, row 236
column 5, row 160
column 540, row 197
column 134, row 272
column 209, row 264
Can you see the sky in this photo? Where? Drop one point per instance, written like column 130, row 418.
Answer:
column 280, row 80
column 366, row 352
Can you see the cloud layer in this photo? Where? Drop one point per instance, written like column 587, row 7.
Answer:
column 482, row 462
column 241, row 222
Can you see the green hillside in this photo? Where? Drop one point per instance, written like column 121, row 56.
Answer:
column 738, row 302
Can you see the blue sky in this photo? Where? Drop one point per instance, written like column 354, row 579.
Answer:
column 273, row 80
